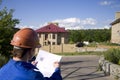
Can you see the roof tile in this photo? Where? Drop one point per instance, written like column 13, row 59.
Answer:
column 51, row 28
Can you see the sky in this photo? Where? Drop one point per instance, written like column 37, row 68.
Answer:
column 70, row 14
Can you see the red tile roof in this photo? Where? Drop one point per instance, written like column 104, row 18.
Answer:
column 51, row 28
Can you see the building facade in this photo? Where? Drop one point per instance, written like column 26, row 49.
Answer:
column 52, row 34
column 115, row 29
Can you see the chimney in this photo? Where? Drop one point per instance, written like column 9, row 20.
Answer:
column 117, row 15
column 55, row 23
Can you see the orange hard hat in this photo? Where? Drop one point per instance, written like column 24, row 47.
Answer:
column 26, row 38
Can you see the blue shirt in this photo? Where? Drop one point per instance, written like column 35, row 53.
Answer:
column 19, row 70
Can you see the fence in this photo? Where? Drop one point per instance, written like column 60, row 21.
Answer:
column 63, row 48
column 69, row 48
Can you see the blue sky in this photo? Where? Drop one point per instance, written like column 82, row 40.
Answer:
column 71, row 14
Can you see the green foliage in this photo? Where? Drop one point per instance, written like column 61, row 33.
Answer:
column 3, row 60
column 71, row 42
column 113, row 55
column 7, row 24
column 81, row 53
column 92, row 44
column 108, row 44
column 91, row 35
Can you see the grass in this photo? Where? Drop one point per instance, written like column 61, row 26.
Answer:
column 95, row 44
column 81, row 53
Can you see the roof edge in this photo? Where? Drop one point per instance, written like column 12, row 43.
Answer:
column 116, row 21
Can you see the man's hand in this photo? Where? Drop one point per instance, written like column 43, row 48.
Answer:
column 56, row 64
column 34, row 63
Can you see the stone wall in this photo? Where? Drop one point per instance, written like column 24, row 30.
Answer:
column 110, row 68
column 70, row 48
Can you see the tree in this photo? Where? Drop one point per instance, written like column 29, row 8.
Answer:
column 7, row 29
column 97, row 35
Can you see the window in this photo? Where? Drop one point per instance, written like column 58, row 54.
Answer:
column 46, row 36
column 53, row 43
column 53, row 36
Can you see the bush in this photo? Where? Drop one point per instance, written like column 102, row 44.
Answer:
column 113, row 55
column 3, row 60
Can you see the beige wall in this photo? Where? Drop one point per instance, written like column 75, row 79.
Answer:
column 115, row 33
column 60, row 48
column 60, row 38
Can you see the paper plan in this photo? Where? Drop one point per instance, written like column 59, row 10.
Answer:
column 45, row 62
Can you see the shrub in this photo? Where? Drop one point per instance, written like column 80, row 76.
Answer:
column 3, row 60
column 113, row 55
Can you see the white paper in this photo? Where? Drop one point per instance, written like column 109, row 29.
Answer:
column 45, row 62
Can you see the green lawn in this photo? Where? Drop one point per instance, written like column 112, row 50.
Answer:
column 81, row 53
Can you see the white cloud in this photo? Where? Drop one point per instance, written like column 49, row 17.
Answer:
column 72, row 20
column 106, row 27
column 75, row 23
column 111, row 3
column 105, row 3
column 89, row 21
column 103, row 27
column 69, row 23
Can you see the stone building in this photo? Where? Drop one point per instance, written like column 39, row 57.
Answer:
column 115, row 29
column 52, row 34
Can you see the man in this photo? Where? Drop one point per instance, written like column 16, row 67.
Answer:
column 18, row 68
